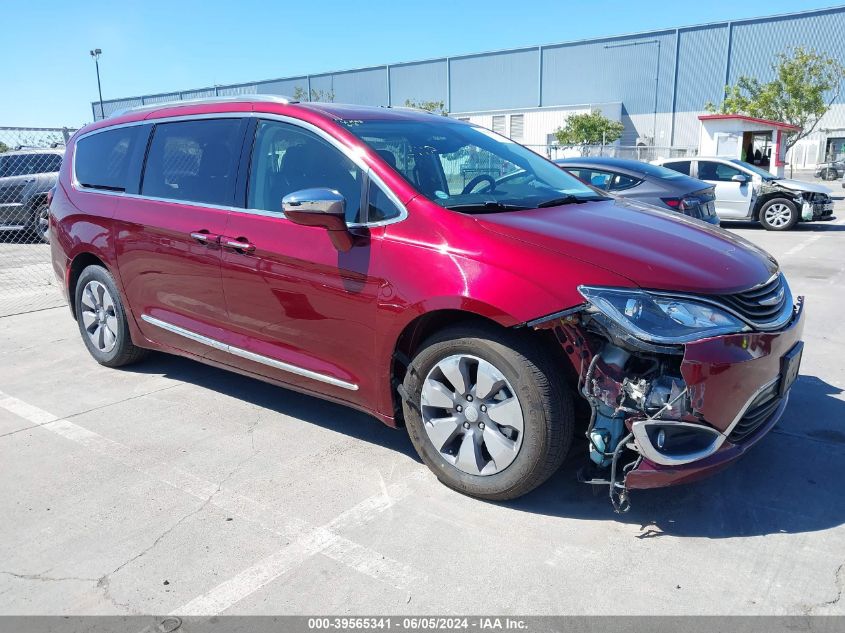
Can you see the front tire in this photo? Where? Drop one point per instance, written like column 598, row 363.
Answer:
column 102, row 319
column 779, row 214
column 487, row 411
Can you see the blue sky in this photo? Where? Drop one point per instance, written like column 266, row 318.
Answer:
column 155, row 46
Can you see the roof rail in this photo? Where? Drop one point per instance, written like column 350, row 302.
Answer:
column 262, row 98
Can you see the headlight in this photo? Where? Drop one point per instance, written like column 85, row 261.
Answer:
column 660, row 319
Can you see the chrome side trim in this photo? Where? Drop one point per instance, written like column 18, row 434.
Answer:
column 258, row 358
column 647, row 450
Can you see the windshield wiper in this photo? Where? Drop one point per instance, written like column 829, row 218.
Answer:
column 490, row 206
column 570, row 199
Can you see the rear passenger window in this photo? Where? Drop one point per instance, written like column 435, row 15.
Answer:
column 102, row 159
column 194, row 161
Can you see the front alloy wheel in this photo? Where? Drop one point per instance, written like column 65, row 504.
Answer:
column 779, row 214
column 488, row 409
column 472, row 415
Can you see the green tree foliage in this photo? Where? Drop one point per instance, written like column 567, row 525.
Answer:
column 300, row 94
column 805, row 85
column 591, row 128
column 4, row 147
column 438, row 107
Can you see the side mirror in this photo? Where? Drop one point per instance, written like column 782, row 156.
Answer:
column 320, row 207
column 739, row 178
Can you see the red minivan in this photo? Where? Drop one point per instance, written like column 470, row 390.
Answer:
column 434, row 274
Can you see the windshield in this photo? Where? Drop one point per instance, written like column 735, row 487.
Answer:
column 766, row 175
column 469, row 168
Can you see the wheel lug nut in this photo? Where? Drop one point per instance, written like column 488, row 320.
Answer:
column 466, row 425
column 481, row 425
column 459, row 408
column 469, row 398
column 483, row 408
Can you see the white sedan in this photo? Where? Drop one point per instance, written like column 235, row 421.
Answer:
column 746, row 192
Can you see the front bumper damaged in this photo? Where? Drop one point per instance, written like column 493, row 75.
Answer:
column 688, row 412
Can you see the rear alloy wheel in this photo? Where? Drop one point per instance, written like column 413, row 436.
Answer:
column 41, row 224
column 487, row 411
column 102, row 319
column 829, row 174
column 779, row 214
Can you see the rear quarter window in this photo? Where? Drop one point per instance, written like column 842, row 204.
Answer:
column 102, row 159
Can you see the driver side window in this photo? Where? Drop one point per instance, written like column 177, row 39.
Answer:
column 286, row 158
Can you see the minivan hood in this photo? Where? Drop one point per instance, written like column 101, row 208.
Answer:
column 652, row 248
column 800, row 185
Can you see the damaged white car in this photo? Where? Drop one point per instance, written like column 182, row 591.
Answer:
column 747, row 192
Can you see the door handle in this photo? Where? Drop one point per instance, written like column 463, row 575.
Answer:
column 205, row 237
column 242, row 245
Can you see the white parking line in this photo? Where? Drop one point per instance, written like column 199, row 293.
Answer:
column 306, row 541
column 802, row 245
column 321, row 540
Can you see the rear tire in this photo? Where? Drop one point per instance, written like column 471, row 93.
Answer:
column 779, row 214
column 829, row 174
column 40, row 228
column 452, row 425
column 102, row 319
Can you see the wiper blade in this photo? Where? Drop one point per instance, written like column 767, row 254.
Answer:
column 489, row 206
column 570, row 199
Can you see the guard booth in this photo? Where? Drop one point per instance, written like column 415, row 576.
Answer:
column 756, row 141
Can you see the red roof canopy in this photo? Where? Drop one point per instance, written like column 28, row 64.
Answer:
column 780, row 125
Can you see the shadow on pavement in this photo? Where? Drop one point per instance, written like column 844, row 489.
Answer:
column 790, row 482
column 284, row 401
column 801, row 227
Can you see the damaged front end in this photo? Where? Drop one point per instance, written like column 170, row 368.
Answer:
column 679, row 386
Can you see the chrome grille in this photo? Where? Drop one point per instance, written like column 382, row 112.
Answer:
column 758, row 413
column 761, row 304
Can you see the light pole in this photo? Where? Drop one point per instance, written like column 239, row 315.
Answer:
column 96, row 55
column 656, row 80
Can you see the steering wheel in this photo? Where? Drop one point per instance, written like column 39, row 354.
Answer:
column 472, row 184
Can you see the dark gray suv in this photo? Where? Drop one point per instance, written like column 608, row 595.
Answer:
column 26, row 176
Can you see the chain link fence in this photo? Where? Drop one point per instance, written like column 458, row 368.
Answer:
column 29, row 167
column 644, row 153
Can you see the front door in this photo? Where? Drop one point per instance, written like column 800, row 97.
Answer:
column 302, row 311
column 733, row 199
column 168, row 252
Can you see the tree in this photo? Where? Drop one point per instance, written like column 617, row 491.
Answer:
column 590, row 128
column 300, row 94
column 806, row 84
column 4, row 147
column 438, row 107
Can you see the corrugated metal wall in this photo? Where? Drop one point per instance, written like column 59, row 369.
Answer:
column 418, row 81
column 617, row 69
column 494, row 81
